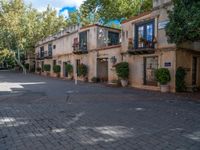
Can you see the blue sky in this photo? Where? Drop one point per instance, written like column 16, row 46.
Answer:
column 62, row 6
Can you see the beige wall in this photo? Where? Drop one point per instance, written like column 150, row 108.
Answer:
column 136, row 64
column 184, row 59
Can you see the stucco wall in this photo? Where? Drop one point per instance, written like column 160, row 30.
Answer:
column 136, row 64
column 184, row 59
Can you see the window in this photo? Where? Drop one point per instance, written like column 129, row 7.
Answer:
column 54, row 46
column 50, row 49
column 42, row 51
column 144, row 35
column 54, row 62
column 113, row 38
column 78, row 62
column 83, row 41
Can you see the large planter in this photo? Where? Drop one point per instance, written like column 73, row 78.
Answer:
column 124, row 83
column 164, row 88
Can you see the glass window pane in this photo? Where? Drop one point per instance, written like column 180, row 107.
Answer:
column 140, row 36
column 149, row 35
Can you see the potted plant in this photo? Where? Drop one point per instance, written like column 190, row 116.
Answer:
column 39, row 70
column 163, row 77
column 122, row 70
column 95, row 80
column 57, row 69
column 47, row 69
column 69, row 69
column 82, row 71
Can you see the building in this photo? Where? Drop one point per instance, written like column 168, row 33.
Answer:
column 145, row 46
column 96, row 46
column 142, row 43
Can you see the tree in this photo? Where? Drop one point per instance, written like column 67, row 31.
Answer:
column 115, row 9
column 21, row 26
column 184, row 22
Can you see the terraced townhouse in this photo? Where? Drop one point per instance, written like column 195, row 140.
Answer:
column 100, row 48
column 96, row 46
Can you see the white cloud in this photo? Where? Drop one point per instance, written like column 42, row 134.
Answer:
column 41, row 4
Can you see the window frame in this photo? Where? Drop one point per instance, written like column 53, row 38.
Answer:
column 144, row 24
column 118, row 40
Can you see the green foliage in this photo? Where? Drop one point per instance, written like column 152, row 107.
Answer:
column 56, row 69
column 95, row 79
column 82, row 70
column 122, row 70
column 184, row 21
column 21, row 26
column 69, row 68
column 47, row 67
column 39, row 69
column 7, row 56
column 114, row 9
column 163, row 76
column 180, row 79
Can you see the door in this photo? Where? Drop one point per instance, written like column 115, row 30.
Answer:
column 194, row 71
column 42, row 66
column 150, row 66
column 102, row 69
column 65, row 73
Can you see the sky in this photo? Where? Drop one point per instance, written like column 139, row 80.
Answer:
column 62, row 6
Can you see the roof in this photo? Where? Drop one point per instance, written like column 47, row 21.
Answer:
column 93, row 25
column 137, row 17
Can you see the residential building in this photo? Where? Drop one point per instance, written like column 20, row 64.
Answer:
column 145, row 46
column 96, row 46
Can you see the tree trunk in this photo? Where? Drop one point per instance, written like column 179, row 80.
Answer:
column 21, row 65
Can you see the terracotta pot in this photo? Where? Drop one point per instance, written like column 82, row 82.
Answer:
column 124, row 83
column 164, row 88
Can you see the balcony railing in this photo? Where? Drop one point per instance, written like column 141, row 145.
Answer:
column 39, row 56
column 48, row 54
column 146, row 48
column 80, row 49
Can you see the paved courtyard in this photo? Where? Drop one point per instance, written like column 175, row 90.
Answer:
column 40, row 113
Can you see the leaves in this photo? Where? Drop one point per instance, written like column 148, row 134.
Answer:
column 21, row 26
column 114, row 9
column 184, row 21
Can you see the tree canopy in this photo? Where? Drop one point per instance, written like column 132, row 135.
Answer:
column 21, row 26
column 114, row 9
column 184, row 22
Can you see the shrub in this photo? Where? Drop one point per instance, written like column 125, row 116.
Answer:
column 163, row 76
column 26, row 66
column 122, row 70
column 56, row 69
column 47, row 67
column 69, row 68
column 39, row 69
column 180, row 79
column 95, row 79
column 82, row 70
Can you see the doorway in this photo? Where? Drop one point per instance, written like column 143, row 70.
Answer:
column 65, row 73
column 102, row 69
column 194, row 71
column 150, row 66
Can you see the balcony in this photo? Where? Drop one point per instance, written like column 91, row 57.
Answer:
column 145, row 47
column 48, row 54
column 39, row 56
column 80, row 49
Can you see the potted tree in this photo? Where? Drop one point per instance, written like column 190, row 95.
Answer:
column 82, row 71
column 163, row 77
column 69, row 69
column 57, row 69
column 47, row 69
column 122, row 70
